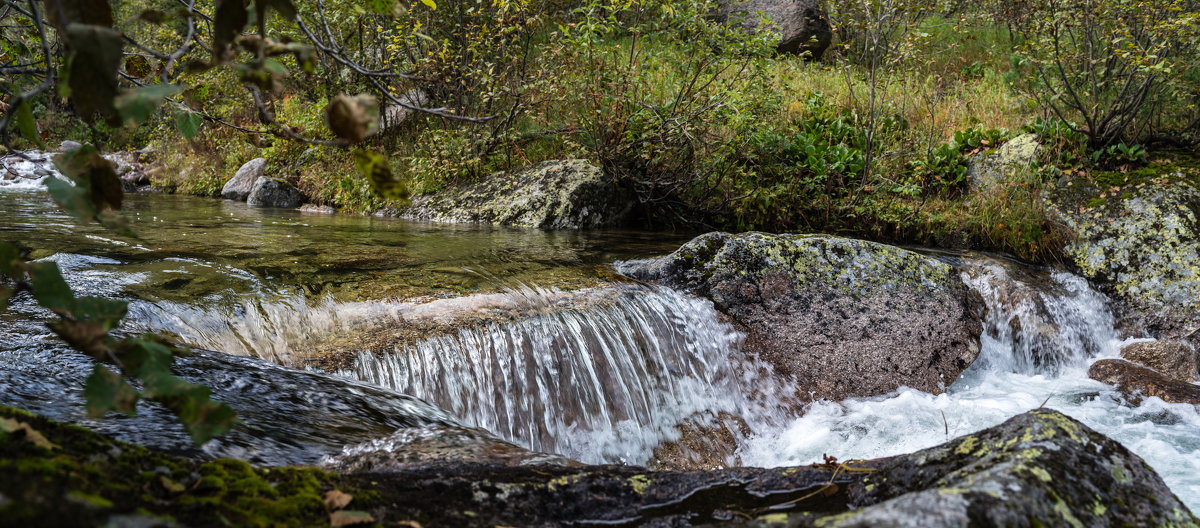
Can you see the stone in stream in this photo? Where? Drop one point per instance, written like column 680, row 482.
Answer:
column 238, row 188
column 1141, row 242
column 1174, row 359
column 844, row 318
column 1040, row 468
column 1132, row 378
column 569, row 194
column 802, row 25
column 270, row 192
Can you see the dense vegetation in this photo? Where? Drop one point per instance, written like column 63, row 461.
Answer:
column 706, row 122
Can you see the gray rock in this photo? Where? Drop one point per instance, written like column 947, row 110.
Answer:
column 238, row 187
column 420, row 446
column 802, row 25
column 989, row 168
column 1175, row 359
column 269, row 192
column 845, row 318
column 317, row 209
column 394, row 115
column 67, row 146
column 1142, row 245
column 1136, row 380
column 553, row 195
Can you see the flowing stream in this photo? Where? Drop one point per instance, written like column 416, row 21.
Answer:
column 528, row 335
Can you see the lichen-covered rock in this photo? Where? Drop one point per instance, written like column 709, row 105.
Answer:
column 238, row 188
column 1037, row 469
column 1174, row 359
column 269, row 192
column 553, row 195
column 1141, row 242
column 845, row 318
column 802, row 25
column 1131, row 378
column 992, row 167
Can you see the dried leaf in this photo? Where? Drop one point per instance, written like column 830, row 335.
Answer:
column 350, row 518
column 336, row 500
column 12, row 426
column 171, row 485
column 352, row 117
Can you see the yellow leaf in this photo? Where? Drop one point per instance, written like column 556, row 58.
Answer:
column 12, row 426
column 430, row 3
column 350, row 518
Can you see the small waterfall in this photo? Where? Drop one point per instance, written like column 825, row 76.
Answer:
column 602, row 383
column 1038, row 323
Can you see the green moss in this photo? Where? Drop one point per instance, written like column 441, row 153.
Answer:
column 91, row 477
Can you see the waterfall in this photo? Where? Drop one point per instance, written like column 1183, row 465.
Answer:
column 604, row 383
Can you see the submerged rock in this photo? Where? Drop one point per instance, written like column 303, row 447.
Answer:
column 238, row 188
column 1037, row 469
column 553, row 195
column 1132, row 378
column 432, row 444
column 270, row 192
column 1141, row 242
column 845, row 318
column 1175, row 359
column 802, row 25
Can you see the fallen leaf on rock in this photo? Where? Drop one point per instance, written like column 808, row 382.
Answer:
column 171, row 485
column 336, row 500
column 12, row 426
column 350, row 518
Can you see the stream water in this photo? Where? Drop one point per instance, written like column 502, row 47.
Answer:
column 527, row 334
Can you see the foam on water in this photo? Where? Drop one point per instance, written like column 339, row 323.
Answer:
column 1038, row 343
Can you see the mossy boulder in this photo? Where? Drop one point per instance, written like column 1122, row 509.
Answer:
column 843, row 317
column 1037, row 469
column 569, row 194
column 991, row 167
column 1138, row 236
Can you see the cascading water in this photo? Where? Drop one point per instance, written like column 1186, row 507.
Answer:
column 1041, row 333
column 602, row 384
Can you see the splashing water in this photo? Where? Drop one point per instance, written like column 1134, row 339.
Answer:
column 606, row 383
column 1040, row 335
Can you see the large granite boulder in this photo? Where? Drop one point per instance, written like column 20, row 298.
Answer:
column 1037, row 469
column 802, row 25
column 239, row 187
column 1139, row 238
column 845, row 318
column 568, row 194
column 270, row 192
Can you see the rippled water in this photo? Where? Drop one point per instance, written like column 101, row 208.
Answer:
column 523, row 333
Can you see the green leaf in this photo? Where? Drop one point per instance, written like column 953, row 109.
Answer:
column 188, row 123
column 6, row 293
column 95, row 58
column 108, row 391
column 27, row 125
column 151, row 362
column 50, row 290
column 96, row 184
column 137, row 105
column 106, row 312
column 375, row 167
column 283, row 7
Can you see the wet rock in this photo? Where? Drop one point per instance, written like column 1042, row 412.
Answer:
column 1037, row 469
column 1175, row 359
column 702, row 444
column 270, row 192
column 845, row 318
column 421, row 446
column 68, row 145
column 989, row 168
column 239, row 187
column 802, row 25
column 1132, row 378
column 1141, row 243
column 394, row 115
column 553, row 195
column 1040, row 468
column 317, row 209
